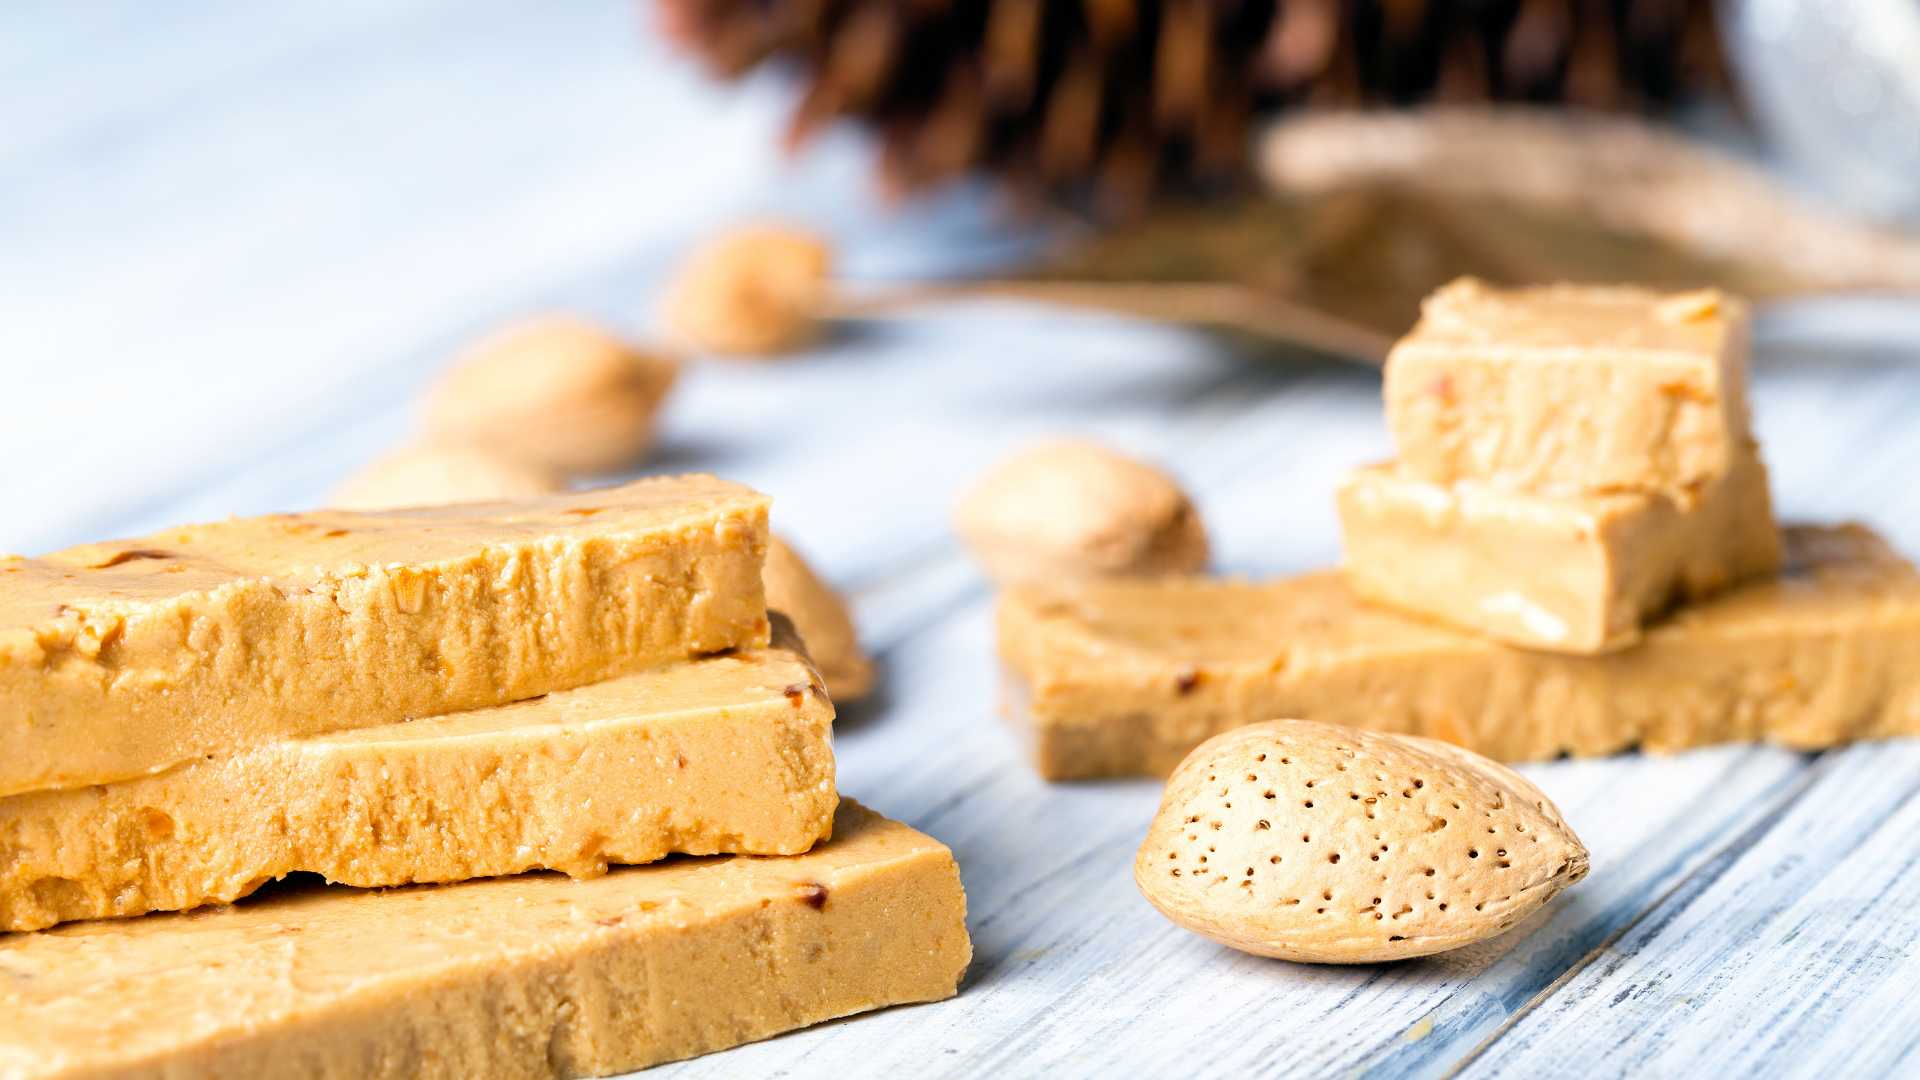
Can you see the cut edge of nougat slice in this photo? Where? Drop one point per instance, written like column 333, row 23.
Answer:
column 124, row 659
column 1575, row 573
column 726, row 754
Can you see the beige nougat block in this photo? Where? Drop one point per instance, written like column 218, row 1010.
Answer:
column 1570, row 573
column 537, row 975
column 1569, row 388
column 726, row 754
column 1124, row 678
column 122, row 659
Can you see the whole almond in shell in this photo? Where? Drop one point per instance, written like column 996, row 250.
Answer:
column 1328, row 844
column 755, row 291
column 1073, row 509
column 556, row 392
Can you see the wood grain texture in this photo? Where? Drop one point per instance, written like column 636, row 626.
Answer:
column 240, row 240
column 1790, row 937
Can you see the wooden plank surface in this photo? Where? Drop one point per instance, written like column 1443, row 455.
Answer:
column 239, row 240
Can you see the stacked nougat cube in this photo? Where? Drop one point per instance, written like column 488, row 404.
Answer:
column 465, row 696
column 1572, row 462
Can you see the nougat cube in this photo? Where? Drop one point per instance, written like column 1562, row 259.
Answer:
column 1569, row 389
column 1572, row 573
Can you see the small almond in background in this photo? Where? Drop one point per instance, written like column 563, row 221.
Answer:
column 1325, row 844
column 1075, row 509
column 430, row 475
column 753, row 291
column 820, row 615
column 556, row 392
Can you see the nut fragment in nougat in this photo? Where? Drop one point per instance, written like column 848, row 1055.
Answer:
column 1570, row 573
column 1124, row 678
column 727, row 754
column 1568, row 388
column 535, row 975
column 122, row 659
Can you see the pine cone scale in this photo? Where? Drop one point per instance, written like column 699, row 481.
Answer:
column 1071, row 95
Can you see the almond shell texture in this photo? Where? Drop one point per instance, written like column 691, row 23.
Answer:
column 1325, row 844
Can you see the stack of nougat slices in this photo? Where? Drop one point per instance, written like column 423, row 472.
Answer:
column 1574, row 552
column 424, row 714
column 1573, row 462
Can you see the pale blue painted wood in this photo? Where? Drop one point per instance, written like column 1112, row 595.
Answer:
column 1793, row 953
column 276, row 224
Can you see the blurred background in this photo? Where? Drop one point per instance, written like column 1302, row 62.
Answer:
column 237, row 244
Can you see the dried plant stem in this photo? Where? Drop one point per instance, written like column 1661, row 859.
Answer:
column 1214, row 304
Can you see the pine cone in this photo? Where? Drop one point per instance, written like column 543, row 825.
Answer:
column 1118, row 98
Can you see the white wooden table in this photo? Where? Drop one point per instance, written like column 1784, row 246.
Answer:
column 235, row 240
